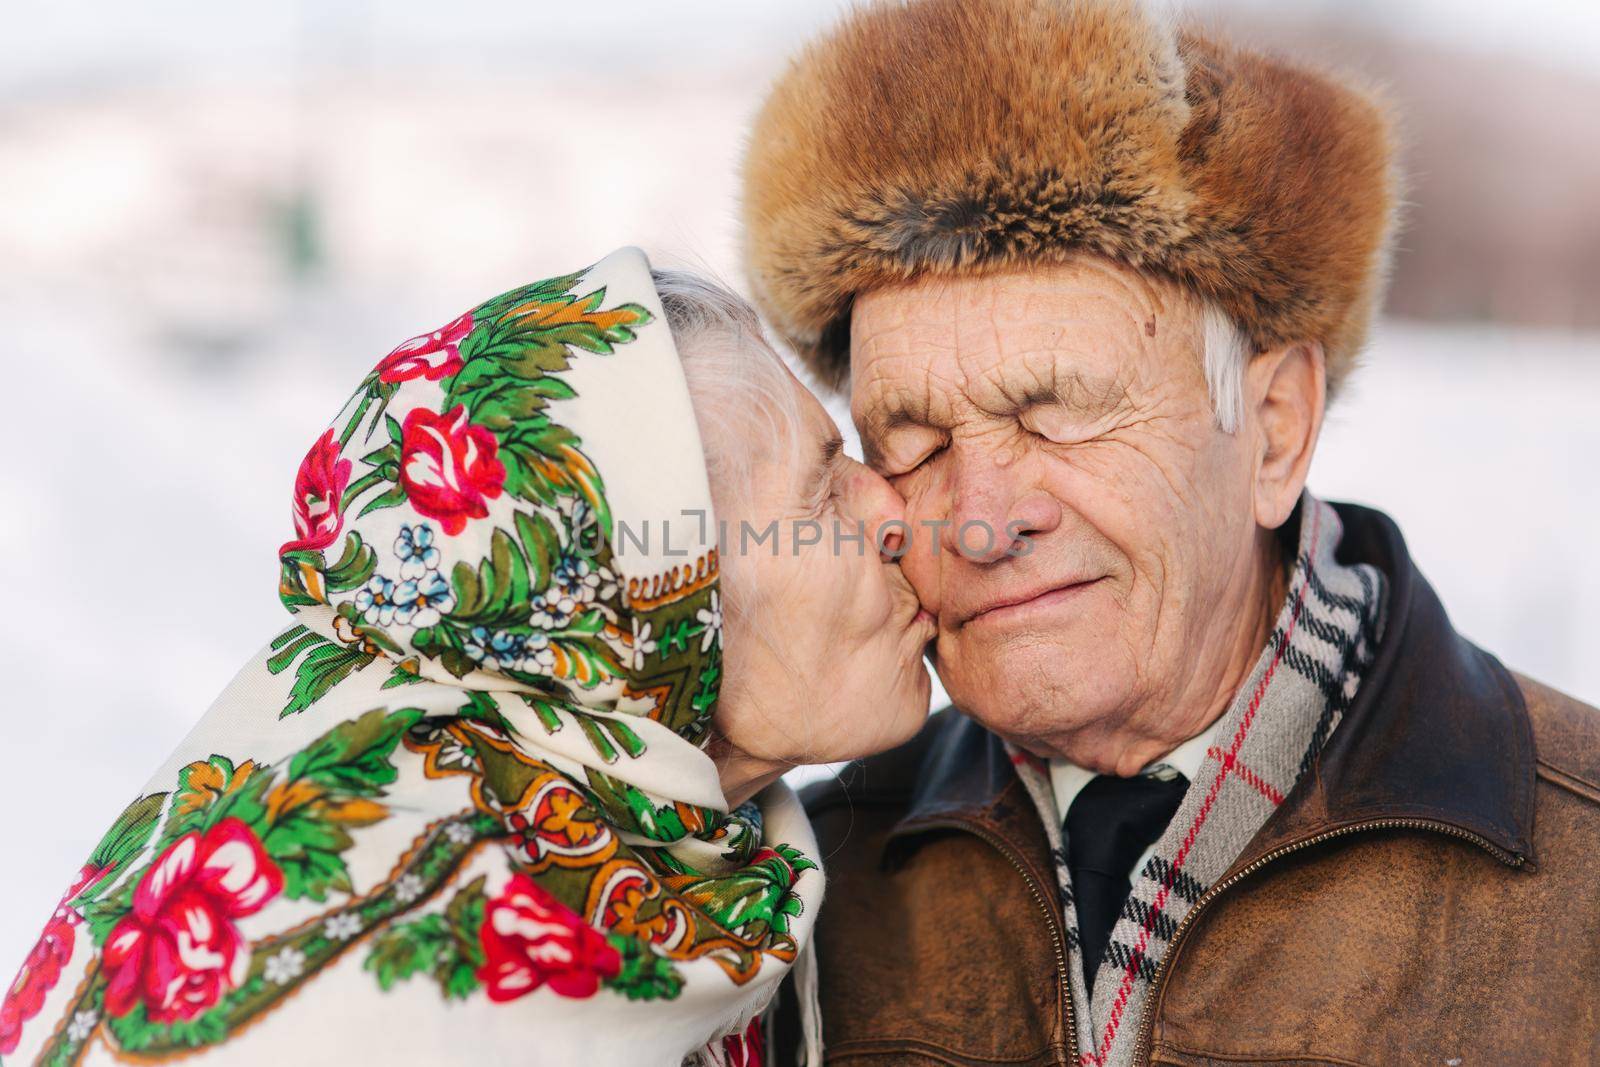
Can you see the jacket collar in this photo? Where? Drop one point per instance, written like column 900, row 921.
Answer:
column 1439, row 733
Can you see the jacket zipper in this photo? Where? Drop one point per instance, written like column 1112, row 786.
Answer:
column 1057, row 939
column 1141, row 1051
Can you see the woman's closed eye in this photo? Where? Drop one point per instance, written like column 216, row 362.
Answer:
column 823, row 484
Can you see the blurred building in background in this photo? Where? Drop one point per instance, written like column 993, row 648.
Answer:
column 215, row 218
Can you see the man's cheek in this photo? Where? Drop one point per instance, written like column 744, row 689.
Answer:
column 920, row 560
column 922, row 571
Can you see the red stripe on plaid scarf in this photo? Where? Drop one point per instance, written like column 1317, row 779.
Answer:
column 1019, row 758
column 1097, row 1058
column 1245, row 775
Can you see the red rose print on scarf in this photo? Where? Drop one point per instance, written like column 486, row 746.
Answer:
column 179, row 951
column 431, row 355
column 449, row 467
column 42, row 969
column 531, row 939
column 317, row 489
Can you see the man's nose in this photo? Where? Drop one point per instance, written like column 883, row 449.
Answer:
column 995, row 506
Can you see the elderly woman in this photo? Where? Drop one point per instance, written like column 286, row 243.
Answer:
column 500, row 793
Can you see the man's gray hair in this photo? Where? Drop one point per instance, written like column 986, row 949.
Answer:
column 1227, row 351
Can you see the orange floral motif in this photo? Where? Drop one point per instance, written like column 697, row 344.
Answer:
column 446, row 753
column 558, row 815
column 564, row 310
column 622, row 913
column 619, row 899
column 693, row 817
column 204, row 782
column 311, row 582
column 354, row 635
column 559, row 827
column 295, row 794
column 657, row 695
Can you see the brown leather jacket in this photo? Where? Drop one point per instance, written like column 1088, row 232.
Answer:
column 1429, row 893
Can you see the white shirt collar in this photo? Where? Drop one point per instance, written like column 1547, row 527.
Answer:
column 1067, row 779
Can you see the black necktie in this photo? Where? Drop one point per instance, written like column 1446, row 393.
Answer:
column 1109, row 825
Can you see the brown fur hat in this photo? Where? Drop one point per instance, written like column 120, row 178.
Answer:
column 955, row 137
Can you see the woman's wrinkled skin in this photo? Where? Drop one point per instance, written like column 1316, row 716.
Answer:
column 823, row 651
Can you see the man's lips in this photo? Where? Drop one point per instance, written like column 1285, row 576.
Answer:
column 1022, row 603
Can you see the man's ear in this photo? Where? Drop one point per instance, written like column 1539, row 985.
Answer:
column 1288, row 388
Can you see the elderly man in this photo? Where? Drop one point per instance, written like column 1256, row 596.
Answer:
column 1221, row 783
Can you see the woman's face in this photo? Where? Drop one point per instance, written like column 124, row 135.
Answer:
column 824, row 646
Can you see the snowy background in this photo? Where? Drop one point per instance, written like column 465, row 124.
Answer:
column 216, row 217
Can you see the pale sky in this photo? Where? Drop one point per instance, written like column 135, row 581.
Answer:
column 65, row 45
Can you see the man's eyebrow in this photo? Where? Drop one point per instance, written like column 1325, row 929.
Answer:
column 1084, row 395
column 877, row 421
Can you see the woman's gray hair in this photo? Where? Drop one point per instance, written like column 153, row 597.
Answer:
column 744, row 404
column 740, row 390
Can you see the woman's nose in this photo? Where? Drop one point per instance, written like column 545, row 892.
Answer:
column 871, row 500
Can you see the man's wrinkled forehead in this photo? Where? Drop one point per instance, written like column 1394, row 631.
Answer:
column 928, row 350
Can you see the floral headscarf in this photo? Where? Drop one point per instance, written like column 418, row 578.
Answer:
column 474, row 761
column 454, row 523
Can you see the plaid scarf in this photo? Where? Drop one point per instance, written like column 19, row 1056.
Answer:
column 1325, row 638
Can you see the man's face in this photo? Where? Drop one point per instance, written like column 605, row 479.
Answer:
column 1066, row 405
